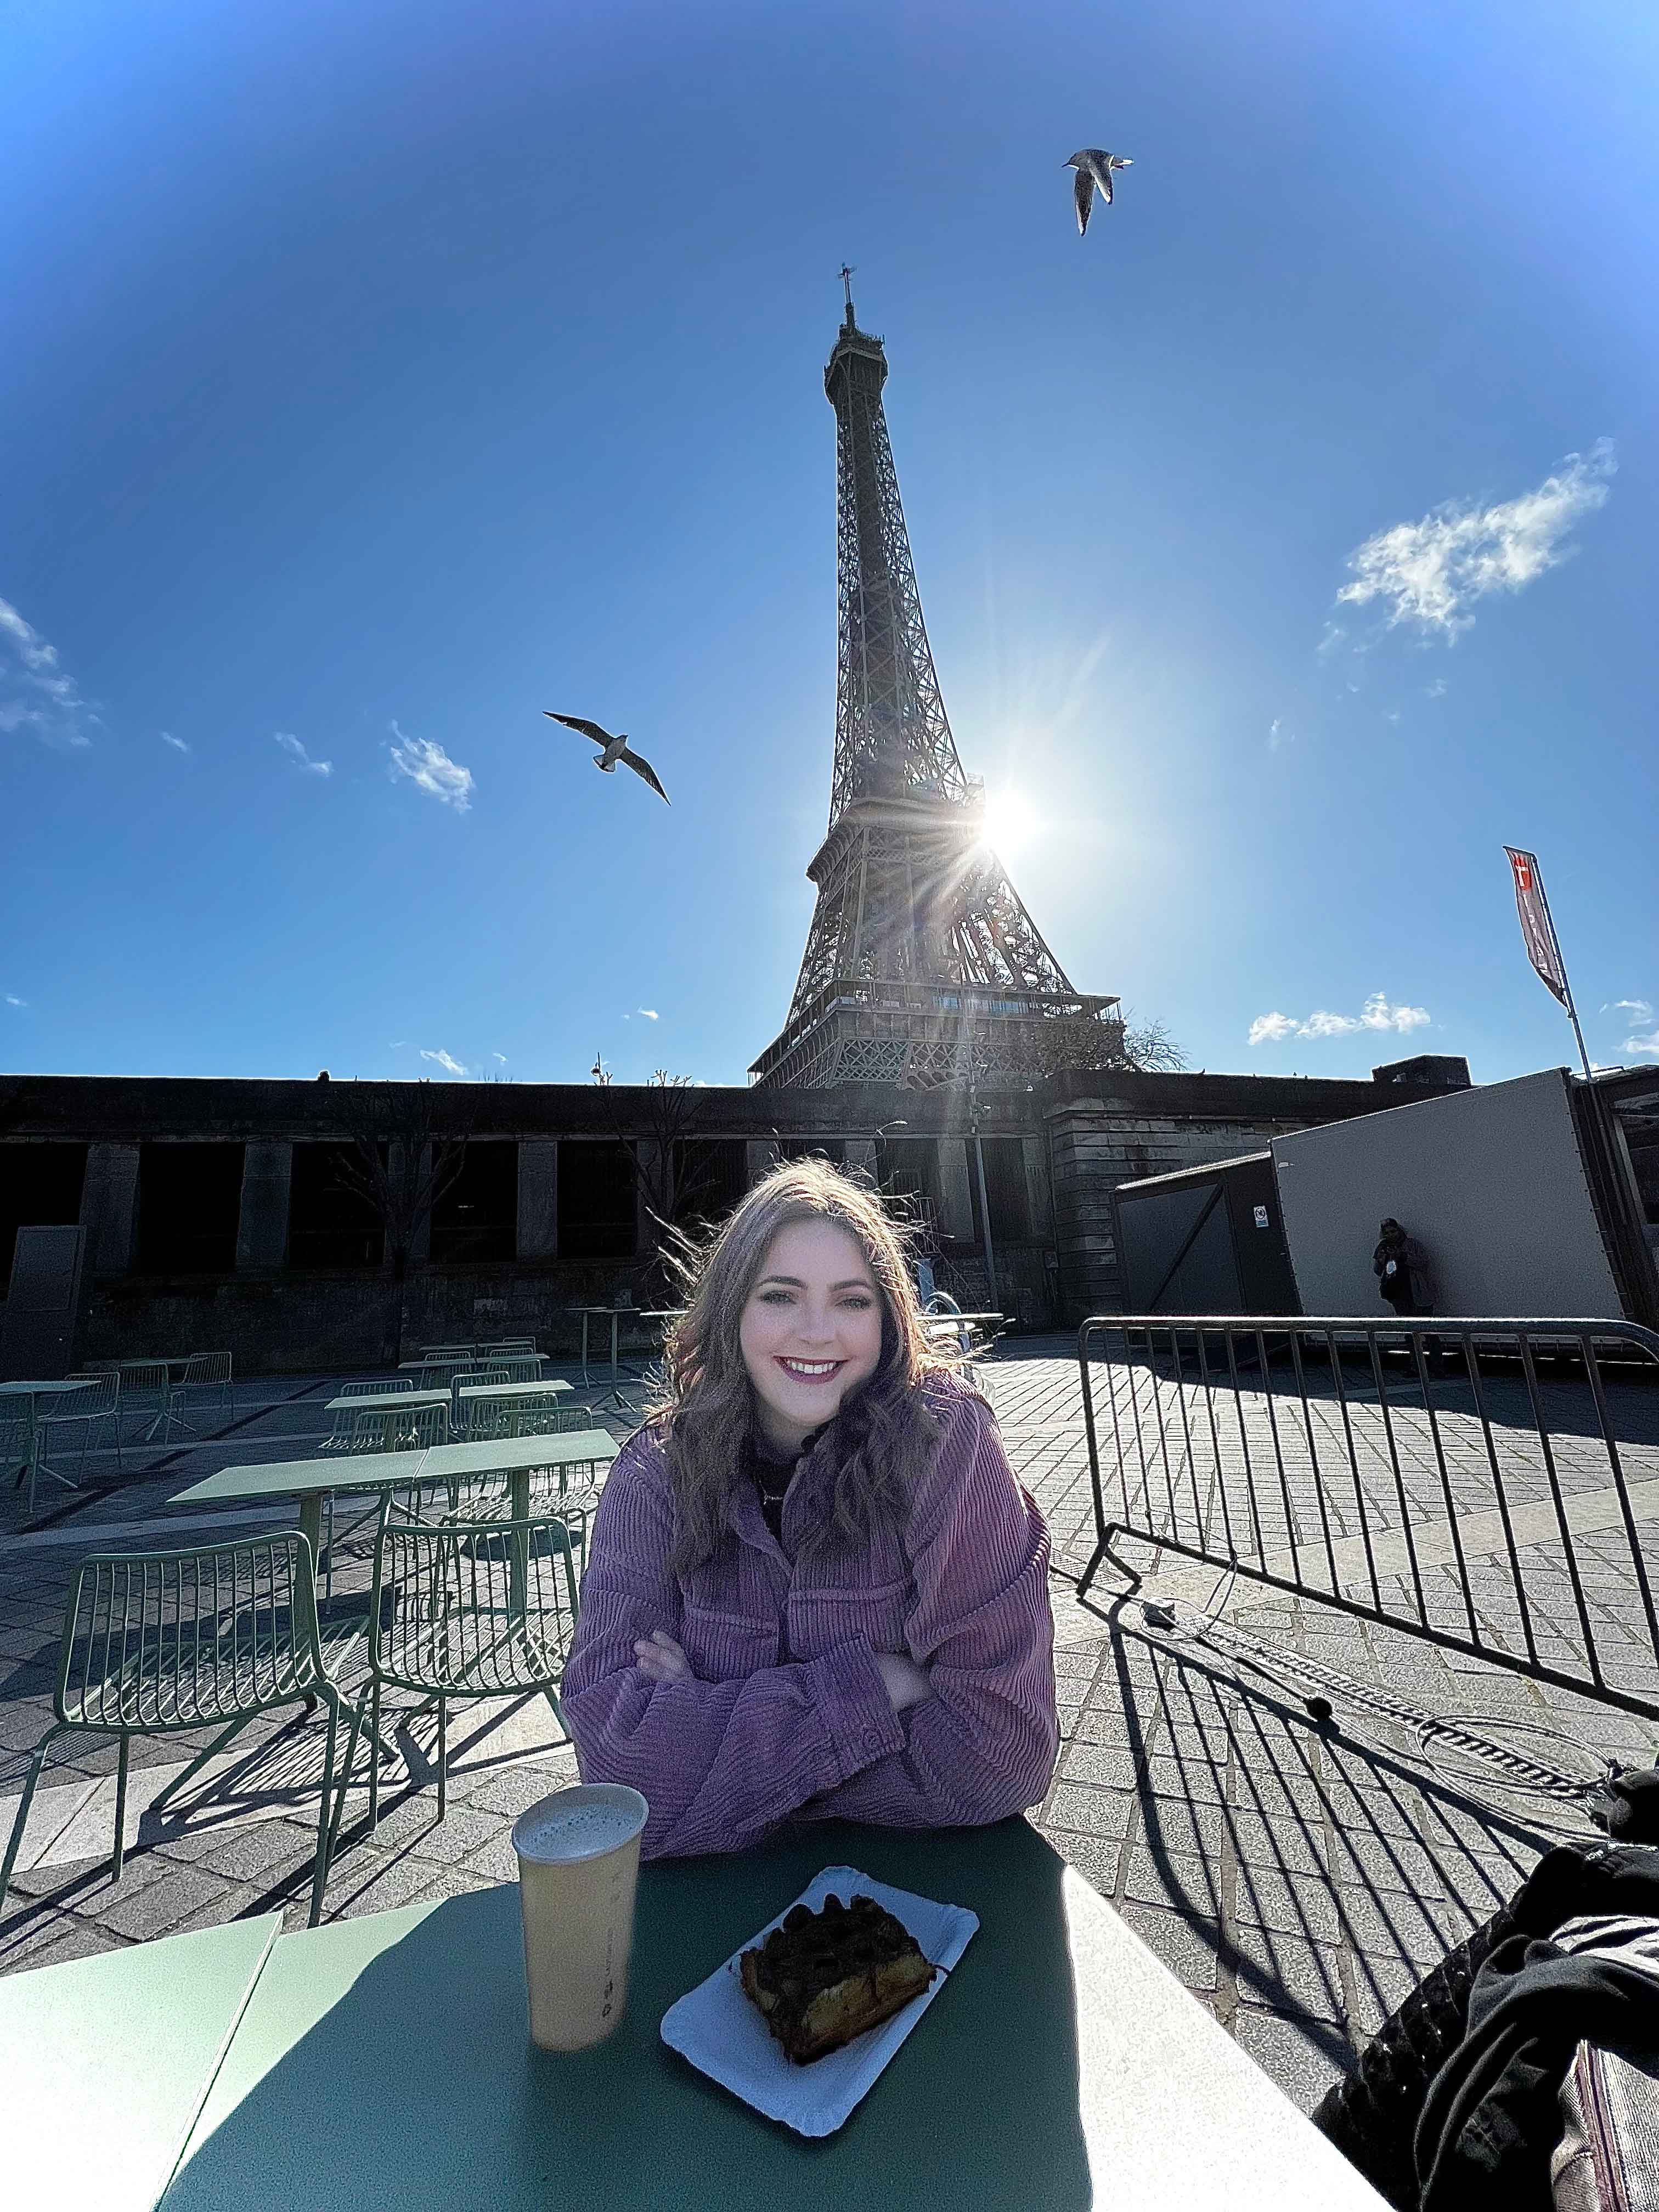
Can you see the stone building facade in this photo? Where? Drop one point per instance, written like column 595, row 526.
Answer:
column 215, row 1218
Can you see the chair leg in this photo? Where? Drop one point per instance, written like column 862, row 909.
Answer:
column 443, row 1752
column 374, row 1757
column 320, row 1874
column 336, row 1824
column 36, row 1762
column 120, row 1810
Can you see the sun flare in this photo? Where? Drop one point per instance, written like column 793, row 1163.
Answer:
column 1011, row 822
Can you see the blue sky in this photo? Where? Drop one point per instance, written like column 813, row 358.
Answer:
column 380, row 375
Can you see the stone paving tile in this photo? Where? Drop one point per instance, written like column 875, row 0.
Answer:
column 1303, row 2064
column 463, row 1831
column 1186, row 1883
column 159, row 1906
column 1191, row 1950
column 497, row 1861
column 1306, row 1908
column 1288, row 1974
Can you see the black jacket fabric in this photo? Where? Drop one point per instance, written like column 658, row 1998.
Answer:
column 1492, row 2116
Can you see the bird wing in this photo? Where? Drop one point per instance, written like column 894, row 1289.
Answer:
column 575, row 722
column 643, row 767
column 1100, row 168
column 1083, row 185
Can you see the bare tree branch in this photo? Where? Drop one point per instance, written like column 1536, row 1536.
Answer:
column 406, row 1145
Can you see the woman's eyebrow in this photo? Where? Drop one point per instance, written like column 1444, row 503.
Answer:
column 795, row 1283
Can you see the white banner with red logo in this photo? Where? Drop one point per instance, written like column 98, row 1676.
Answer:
column 1537, row 930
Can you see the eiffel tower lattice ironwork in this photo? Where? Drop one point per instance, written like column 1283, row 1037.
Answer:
column 922, row 965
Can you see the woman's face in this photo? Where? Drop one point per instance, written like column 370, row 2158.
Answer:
column 812, row 1330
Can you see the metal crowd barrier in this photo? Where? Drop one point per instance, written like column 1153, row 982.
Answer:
column 1468, row 1481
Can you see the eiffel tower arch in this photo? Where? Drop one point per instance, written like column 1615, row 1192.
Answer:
column 922, row 966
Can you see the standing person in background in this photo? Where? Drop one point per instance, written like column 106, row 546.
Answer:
column 815, row 1589
column 1401, row 1268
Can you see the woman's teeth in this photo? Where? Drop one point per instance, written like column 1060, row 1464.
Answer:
column 810, row 1371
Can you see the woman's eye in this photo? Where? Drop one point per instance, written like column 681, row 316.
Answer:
column 775, row 1297
column 859, row 1304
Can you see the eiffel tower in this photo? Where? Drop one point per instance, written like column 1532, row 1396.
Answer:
column 922, row 966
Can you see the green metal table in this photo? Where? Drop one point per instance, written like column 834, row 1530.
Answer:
column 309, row 1482
column 107, row 2060
column 384, row 1401
column 384, row 2063
column 510, row 1390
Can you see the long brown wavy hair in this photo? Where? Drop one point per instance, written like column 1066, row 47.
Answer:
column 880, row 1442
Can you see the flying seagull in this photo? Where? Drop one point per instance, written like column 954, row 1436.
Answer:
column 1094, row 166
column 612, row 750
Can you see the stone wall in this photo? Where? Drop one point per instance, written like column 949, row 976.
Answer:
column 1082, row 1134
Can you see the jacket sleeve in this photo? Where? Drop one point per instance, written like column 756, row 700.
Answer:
column 984, row 1745
column 719, row 1763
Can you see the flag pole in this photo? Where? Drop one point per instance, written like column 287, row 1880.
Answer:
column 1572, row 1011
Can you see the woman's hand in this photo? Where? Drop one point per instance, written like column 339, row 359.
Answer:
column 662, row 1659
column 906, row 1683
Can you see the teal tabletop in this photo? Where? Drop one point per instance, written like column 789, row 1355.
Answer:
column 107, row 2060
column 362, row 1471
column 387, row 1401
column 385, row 2063
column 511, row 1390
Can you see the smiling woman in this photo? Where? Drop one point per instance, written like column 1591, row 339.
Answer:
column 815, row 1589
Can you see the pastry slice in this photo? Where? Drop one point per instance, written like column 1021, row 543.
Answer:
column 820, row 1979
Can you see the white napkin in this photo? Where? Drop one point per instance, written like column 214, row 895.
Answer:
column 723, row 2035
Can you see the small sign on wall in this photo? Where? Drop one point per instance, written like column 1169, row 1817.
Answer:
column 1261, row 1217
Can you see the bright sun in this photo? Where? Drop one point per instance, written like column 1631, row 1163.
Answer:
column 1011, row 822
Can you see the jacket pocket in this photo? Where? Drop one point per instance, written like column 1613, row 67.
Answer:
column 722, row 1647
column 819, row 1619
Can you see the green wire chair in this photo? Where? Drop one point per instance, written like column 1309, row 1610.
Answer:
column 542, row 1414
column 207, row 1375
column 159, row 1643
column 480, row 1610
column 90, row 1407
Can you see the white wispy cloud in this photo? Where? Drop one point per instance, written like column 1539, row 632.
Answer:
column 167, row 738
column 1645, row 1048
column 1376, row 1014
column 36, row 693
column 1429, row 572
column 1277, row 735
column 429, row 768
column 1272, row 1028
column 501, row 1056
column 441, row 1058
column 650, row 1013
column 12, row 1001
column 1639, row 1010
column 1437, row 690
column 291, row 745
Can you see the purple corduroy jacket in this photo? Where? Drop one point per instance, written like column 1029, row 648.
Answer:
column 787, row 1716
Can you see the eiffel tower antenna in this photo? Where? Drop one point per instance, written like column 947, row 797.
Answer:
column 922, row 965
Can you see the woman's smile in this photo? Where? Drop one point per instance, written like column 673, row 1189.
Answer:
column 812, row 1371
